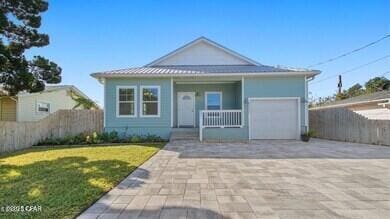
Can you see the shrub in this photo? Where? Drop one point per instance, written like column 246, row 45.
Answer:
column 98, row 138
column 310, row 133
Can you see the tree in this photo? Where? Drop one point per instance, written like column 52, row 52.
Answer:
column 355, row 90
column 84, row 102
column 19, row 23
column 377, row 84
column 342, row 96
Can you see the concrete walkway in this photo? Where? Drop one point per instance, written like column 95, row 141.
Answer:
column 261, row 179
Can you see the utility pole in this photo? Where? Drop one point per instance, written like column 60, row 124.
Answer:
column 340, row 84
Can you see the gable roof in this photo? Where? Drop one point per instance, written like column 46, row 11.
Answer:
column 157, row 69
column 208, row 42
column 52, row 88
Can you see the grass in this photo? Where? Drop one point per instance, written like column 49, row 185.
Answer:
column 65, row 180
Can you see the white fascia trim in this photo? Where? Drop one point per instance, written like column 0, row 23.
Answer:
column 99, row 76
column 158, row 101
column 117, row 101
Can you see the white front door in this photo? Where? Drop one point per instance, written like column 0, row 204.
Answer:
column 186, row 109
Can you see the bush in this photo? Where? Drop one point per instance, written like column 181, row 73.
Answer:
column 310, row 133
column 98, row 138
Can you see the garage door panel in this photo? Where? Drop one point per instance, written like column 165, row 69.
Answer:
column 274, row 119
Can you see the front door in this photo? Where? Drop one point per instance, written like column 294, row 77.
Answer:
column 186, row 109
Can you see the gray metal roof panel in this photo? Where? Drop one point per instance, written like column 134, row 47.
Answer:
column 198, row 69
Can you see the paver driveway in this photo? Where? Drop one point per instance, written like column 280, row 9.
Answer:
column 261, row 179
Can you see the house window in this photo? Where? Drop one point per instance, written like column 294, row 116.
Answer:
column 213, row 100
column 126, row 101
column 43, row 107
column 150, row 101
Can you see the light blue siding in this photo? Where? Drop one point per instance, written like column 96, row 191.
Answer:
column 275, row 86
column 286, row 86
column 159, row 126
column 229, row 96
column 225, row 134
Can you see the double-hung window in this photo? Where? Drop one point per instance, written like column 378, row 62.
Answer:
column 126, row 101
column 213, row 100
column 150, row 101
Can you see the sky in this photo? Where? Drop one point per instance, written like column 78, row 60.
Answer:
column 93, row 36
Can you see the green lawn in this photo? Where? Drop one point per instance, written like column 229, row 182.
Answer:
column 65, row 180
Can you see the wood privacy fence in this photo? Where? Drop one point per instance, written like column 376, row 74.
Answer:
column 344, row 125
column 18, row 135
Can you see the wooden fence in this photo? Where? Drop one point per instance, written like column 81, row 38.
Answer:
column 344, row 125
column 19, row 135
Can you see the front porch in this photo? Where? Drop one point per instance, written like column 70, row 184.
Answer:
column 207, row 103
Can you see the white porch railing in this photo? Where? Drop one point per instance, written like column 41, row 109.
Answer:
column 219, row 119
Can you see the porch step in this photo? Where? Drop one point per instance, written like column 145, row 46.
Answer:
column 179, row 134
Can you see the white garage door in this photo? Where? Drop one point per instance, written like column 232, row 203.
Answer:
column 274, row 118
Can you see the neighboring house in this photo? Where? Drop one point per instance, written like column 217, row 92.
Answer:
column 372, row 106
column 207, row 86
column 35, row 106
column 7, row 108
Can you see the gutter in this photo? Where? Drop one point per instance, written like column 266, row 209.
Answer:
column 310, row 74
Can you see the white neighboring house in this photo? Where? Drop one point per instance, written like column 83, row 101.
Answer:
column 35, row 106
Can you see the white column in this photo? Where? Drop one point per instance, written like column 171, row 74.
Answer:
column 171, row 102
column 242, row 101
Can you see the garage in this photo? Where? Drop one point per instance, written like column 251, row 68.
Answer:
column 274, row 118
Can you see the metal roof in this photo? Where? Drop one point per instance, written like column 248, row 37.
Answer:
column 177, row 70
column 377, row 96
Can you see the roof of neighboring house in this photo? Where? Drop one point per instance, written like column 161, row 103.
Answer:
column 156, row 69
column 362, row 99
column 51, row 88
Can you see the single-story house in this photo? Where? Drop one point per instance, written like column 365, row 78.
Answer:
column 205, row 85
column 35, row 106
column 372, row 106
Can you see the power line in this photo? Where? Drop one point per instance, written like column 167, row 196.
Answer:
column 381, row 75
column 385, row 73
column 350, row 52
column 352, row 69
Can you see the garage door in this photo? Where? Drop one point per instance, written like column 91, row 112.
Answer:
column 274, row 118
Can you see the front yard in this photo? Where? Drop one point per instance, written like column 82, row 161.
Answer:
column 63, row 181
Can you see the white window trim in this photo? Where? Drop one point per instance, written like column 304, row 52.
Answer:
column 117, row 101
column 212, row 92
column 142, row 101
column 41, row 112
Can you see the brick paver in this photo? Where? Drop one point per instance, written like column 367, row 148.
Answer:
column 260, row 179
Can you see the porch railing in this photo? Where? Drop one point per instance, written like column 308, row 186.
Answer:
column 219, row 119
